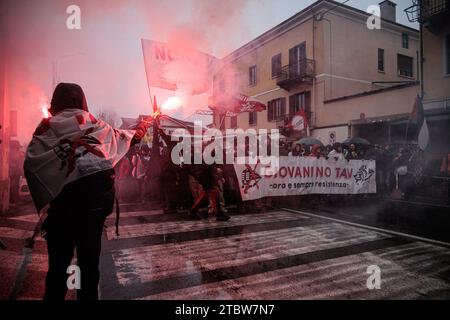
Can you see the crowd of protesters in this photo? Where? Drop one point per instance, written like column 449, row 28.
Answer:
column 400, row 172
column 145, row 175
column 399, row 167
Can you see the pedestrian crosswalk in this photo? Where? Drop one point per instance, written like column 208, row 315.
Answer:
column 179, row 258
column 183, row 225
column 268, row 255
column 23, row 263
column 339, row 278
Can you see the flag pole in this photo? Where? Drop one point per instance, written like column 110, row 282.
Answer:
column 146, row 74
column 406, row 134
column 155, row 142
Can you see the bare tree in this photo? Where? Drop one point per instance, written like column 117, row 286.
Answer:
column 109, row 116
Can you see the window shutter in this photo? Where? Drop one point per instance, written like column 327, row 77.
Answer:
column 292, row 105
column 276, row 65
column 270, row 111
column 308, row 102
column 381, row 59
column 283, row 107
column 273, row 67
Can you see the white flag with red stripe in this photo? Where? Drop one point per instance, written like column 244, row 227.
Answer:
column 71, row 145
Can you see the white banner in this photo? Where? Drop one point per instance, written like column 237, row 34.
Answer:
column 178, row 67
column 306, row 175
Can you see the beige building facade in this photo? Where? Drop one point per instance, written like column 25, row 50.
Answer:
column 433, row 16
column 436, row 68
column 326, row 61
column 436, row 55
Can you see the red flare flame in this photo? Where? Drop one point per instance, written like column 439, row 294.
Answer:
column 45, row 112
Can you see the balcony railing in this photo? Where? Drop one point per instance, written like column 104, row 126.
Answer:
column 297, row 73
column 426, row 10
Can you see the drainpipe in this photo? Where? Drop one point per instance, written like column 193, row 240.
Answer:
column 421, row 61
column 331, row 57
column 313, row 99
column 320, row 17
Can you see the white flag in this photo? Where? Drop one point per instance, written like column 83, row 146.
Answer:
column 174, row 67
column 424, row 135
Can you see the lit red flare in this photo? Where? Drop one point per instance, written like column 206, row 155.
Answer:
column 156, row 114
column 172, row 103
column 45, row 112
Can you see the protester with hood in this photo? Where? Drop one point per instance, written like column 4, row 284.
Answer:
column 69, row 167
column 169, row 179
column 352, row 153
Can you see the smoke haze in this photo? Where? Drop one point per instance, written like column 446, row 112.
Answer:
column 105, row 56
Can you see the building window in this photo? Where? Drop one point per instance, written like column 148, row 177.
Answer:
column 253, row 118
column 234, row 122
column 405, row 40
column 381, row 60
column 252, row 76
column 297, row 57
column 300, row 101
column 276, row 65
column 276, row 109
column 447, row 54
column 405, row 65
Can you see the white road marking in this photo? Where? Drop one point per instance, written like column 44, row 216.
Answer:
column 136, row 213
column 337, row 278
column 391, row 232
column 27, row 218
column 146, row 229
column 7, row 232
column 151, row 262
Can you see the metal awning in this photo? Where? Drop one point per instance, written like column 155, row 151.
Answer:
column 399, row 118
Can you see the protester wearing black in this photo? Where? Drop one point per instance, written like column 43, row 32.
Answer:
column 352, row 153
column 207, row 176
column 169, row 179
column 77, row 214
column 75, row 220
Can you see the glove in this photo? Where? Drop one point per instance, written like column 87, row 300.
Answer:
column 141, row 130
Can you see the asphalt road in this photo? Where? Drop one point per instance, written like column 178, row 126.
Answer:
column 417, row 218
column 278, row 254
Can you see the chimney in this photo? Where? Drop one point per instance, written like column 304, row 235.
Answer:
column 388, row 10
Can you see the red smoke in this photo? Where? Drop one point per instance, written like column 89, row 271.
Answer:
column 105, row 56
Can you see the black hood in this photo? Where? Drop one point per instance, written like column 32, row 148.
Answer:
column 68, row 96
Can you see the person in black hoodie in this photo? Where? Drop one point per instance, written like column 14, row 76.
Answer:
column 208, row 177
column 76, row 214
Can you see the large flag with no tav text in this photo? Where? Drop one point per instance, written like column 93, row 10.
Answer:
column 175, row 67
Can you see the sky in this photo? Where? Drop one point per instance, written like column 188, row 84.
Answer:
column 105, row 55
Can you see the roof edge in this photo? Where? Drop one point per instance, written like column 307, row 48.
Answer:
column 254, row 43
